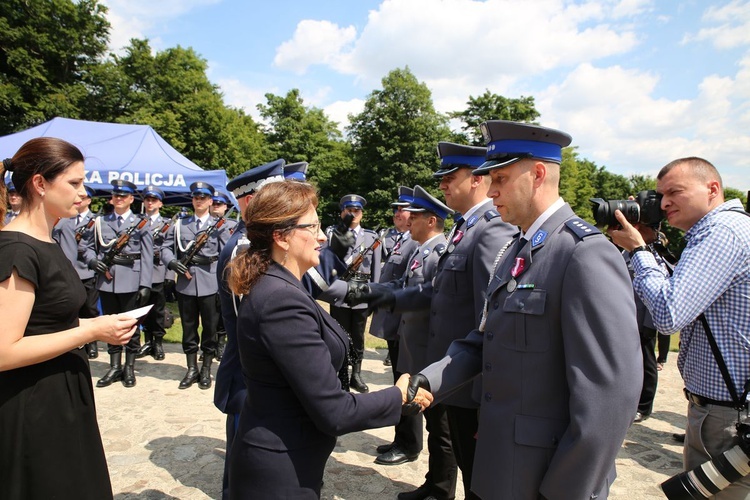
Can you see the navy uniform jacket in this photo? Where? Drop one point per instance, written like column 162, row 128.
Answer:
column 456, row 296
column 230, row 392
column 384, row 323
column 203, row 281
column 561, row 367
column 129, row 277
column 413, row 330
column 79, row 253
column 292, row 351
column 158, row 226
column 370, row 265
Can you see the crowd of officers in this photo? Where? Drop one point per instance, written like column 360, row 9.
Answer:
column 427, row 289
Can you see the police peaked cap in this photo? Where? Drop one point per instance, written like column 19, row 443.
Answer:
column 221, row 198
column 89, row 191
column 154, row 192
column 255, row 178
column 120, row 186
column 509, row 142
column 454, row 156
column 297, row 171
column 405, row 197
column 352, row 200
column 201, row 187
column 425, row 202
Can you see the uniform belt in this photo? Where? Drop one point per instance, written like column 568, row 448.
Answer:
column 125, row 259
column 703, row 401
column 203, row 261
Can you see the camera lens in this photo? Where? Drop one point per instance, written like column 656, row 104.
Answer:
column 604, row 211
column 708, row 478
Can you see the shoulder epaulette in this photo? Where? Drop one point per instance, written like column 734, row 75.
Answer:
column 581, row 228
column 370, row 231
column 491, row 214
column 440, row 248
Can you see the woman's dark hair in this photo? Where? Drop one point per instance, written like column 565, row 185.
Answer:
column 46, row 156
column 276, row 207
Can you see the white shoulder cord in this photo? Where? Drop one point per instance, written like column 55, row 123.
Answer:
column 492, row 276
column 178, row 239
column 100, row 236
column 238, row 298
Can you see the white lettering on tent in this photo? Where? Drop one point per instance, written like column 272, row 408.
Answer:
column 94, row 177
column 139, row 179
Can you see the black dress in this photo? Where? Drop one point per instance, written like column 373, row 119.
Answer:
column 50, row 447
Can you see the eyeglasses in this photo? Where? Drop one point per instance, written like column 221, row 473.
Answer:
column 313, row 227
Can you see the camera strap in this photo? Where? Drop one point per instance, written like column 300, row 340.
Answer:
column 739, row 404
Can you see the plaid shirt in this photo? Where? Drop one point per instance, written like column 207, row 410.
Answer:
column 712, row 277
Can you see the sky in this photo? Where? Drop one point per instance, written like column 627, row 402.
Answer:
column 636, row 83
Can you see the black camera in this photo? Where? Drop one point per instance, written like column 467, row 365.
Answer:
column 711, row 477
column 646, row 209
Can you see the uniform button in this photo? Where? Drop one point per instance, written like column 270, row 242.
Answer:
column 495, row 305
column 488, row 367
column 520, row 305
column 487, row 397
column 489, row 335
column 435, row 289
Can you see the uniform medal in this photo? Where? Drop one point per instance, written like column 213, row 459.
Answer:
column 517, row 269
column 454, row 241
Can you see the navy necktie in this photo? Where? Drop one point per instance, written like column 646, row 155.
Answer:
column 119, row 221
column 197, row 225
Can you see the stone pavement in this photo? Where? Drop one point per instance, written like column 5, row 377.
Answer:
column 166, row 443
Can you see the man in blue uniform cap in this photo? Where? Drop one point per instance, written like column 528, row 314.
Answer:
column 560, row 360
column 125, row 282
column 296, row 171
column 196, row 286
column 14, row 200
column 154, row 325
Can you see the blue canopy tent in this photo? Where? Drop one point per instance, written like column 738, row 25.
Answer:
column 134, row 153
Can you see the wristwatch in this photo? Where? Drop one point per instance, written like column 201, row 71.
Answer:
column 641, row 248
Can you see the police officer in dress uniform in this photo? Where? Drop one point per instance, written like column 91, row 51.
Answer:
column 354, row 318
column 75, row 235
column 230, row 392
column 560, row 359
column 14, row 200
column 196, row 285
column 154, row 324
column 219, row 205
column 125, row 283
column 455, row 299
column 385, row 323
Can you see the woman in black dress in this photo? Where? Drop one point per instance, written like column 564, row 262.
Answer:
column 50, row 445
column 291, row 352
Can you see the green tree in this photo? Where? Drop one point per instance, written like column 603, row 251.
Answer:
column 296, row 132
column 393, row 142
column 47, row 47
column 489, row 106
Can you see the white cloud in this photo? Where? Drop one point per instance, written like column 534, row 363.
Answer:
column 136, row 18
column 339, row 110
column 732, row 26
column 242, row 96
column 314, row 42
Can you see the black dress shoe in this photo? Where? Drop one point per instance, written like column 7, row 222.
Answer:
column 395, row 456
column 639, row 417
column 420, row 493
column 387, row 360
column 680, row 438
column 384, row 448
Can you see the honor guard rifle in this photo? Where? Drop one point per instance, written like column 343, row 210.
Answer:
column 198, row 243
column 120, row 244
column 166, row 225
column 87, row 226
column 357, row 262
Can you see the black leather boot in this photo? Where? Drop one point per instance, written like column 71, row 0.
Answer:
column 92, row 349
column 220, row 347
column 191, row 376
column 157, row 349
column 204, row 380
column 146, row 348
column 114, row 374
column 128, row 372
column 356, row 381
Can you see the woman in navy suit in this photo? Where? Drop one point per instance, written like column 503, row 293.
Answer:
column 291, row 352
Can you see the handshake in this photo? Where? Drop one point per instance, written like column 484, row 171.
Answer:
column 415, row 393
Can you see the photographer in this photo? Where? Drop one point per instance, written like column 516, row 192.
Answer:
column 712, row 278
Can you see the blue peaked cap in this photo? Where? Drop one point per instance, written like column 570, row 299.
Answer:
column 255, row 178
column 425, row 202
column 454, row 156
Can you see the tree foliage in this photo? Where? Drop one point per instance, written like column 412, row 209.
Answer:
column 489, row 106
column 394, row 142
column 47, row 47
